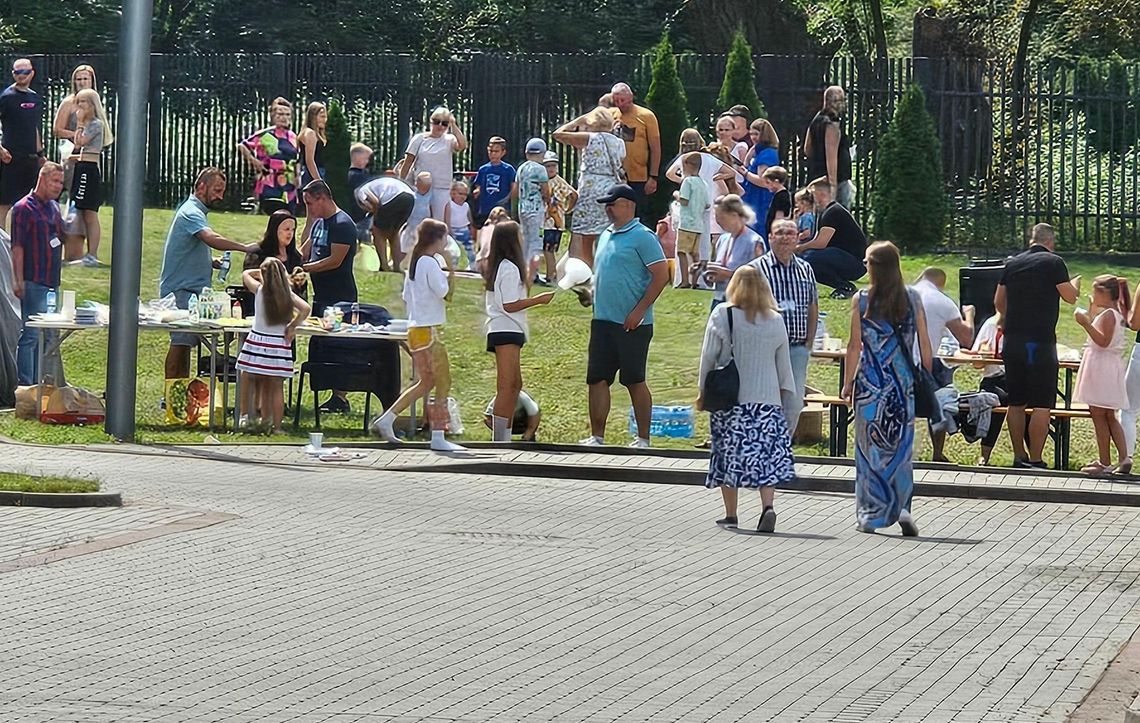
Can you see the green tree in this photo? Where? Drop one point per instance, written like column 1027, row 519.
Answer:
column 908, row 199
column 336, row 154
column 666, row 98
column 1107, row 99
column 739, row 86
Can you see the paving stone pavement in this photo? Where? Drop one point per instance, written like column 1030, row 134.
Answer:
column 343, row 593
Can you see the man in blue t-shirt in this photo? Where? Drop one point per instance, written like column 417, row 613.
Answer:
column 22, row 151
column 630, row 272
column 187, row 263
column 328, row 254
column 495, row 183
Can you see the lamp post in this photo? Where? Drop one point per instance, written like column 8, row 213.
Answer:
column 126, row 263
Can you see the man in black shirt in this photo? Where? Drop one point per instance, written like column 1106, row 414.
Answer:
column 22, row 152
column 329, row 251
column 827, row 147
column 1028, row 297
column 836, row 252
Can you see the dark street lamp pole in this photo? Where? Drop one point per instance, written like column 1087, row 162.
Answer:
column 126, row 263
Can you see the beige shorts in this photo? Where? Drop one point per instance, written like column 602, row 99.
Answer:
column 689, row 242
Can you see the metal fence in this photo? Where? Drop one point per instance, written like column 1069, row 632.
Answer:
column 1073, row 160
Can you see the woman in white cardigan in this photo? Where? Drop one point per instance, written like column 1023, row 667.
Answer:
column 751, row 442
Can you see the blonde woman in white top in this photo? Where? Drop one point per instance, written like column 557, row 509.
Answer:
column 507, row 328
column 751, row 442
column 427, row 289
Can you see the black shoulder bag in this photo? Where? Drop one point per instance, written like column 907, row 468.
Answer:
column 722, row 385
column 926, row 404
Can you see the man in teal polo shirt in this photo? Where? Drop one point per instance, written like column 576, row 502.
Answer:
column 630, row 272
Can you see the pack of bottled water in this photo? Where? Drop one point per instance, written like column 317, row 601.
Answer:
column 674, row 421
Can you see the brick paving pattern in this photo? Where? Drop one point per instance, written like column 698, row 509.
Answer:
column 348, row 593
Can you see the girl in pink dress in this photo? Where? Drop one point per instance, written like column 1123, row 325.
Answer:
column 1100, row 381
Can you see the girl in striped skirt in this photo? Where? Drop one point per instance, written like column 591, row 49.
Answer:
column 266, row 358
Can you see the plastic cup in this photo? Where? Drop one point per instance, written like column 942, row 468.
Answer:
column 316, row 439
column 68, row 308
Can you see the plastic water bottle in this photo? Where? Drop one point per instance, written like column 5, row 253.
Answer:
column 820, row 341
column 51, row 300
column 224, row 268
column 192, row 308
column 355, row 320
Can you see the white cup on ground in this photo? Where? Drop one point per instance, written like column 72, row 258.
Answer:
column 316, row 439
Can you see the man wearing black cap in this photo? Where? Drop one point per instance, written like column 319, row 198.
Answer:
column 629, row 274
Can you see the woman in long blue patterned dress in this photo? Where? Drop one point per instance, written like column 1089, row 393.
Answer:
column 885, row 318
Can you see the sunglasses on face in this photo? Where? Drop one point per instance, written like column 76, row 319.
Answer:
column 27, row 71
column 438, row 122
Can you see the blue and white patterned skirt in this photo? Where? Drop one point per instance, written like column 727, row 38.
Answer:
column 751, row 447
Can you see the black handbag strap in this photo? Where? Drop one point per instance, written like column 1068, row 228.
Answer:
column 902, row 339
column 731, row 351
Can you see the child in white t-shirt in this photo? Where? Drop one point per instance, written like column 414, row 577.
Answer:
column 506, row 286
column 460, row 221
column 427, row 288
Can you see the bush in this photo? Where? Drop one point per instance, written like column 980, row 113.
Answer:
column 336, row 154
column 739, row 86
column 908, row 199
column 666, row 98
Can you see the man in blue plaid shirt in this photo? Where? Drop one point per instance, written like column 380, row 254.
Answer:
column 37, row 255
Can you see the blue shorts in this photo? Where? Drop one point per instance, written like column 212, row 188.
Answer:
column 182, row 338
column 551, row 239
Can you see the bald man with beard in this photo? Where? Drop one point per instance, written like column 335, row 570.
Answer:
column 637, row 126
column 827, row 147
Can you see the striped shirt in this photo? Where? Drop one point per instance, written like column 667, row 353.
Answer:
column 794, row 288
column 37, row 229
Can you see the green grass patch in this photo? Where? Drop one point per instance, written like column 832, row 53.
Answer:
column 554, row 362
column 19, row 482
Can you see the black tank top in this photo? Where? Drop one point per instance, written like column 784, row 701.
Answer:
column 318, row 155
column 817, row 162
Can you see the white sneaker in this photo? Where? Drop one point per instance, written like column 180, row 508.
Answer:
column 639, row 443
column 90, row 261
column 591, row 441
column 383, row 426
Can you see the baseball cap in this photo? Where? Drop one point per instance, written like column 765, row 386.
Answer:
column 536, row 145
column 616, row 191
column 550, row 157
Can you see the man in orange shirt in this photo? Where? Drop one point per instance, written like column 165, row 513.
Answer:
column 638, row 127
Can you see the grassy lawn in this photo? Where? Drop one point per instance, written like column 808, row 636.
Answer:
column 554, row 363
column 16, row 482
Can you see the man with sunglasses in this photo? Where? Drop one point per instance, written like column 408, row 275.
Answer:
column 21, row 147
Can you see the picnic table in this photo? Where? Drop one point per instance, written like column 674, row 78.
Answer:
column 840, row 413
column 210, row 332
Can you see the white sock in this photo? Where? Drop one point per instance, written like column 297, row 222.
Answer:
column 501, row 429
column 383, row 426
column 440, row 444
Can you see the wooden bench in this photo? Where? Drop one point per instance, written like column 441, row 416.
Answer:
column 839, row 414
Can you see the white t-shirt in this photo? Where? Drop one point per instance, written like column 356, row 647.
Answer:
column 384, row 189
column 458, row 215
column 434, row 155
column 940, row 310
column 989, row 341
column 508, row 288
column 424, row 295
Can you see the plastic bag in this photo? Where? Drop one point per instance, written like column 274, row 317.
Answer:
column 73, row 405
column 187, row 401
column 26, row 397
